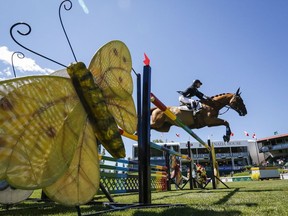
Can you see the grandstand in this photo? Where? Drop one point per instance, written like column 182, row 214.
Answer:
column 275, row 149
column 233, row 156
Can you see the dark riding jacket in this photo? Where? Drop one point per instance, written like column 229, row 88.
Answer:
column 193, row 91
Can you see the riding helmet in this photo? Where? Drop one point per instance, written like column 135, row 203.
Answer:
column 197, row 81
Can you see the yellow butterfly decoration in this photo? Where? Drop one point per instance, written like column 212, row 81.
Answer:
column 49, row 125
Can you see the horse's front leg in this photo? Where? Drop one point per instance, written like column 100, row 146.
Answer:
column 226, row 137
column 217, row 122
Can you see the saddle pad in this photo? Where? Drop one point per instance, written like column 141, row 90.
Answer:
column 184, row 108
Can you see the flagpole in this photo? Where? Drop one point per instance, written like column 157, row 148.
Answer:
column 257, row 150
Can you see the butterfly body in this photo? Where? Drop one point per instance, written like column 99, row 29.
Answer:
column 92, row 99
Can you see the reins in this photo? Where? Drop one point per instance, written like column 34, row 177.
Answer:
column 227, row 109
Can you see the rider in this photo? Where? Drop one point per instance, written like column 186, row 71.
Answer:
column 186, row 96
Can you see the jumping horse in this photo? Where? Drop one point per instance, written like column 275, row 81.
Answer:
column 207, row 116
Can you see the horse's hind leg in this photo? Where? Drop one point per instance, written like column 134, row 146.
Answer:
column 158, row 122
column 160, row 126
column 165, row 127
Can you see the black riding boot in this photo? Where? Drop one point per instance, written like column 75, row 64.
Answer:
column 196, row 111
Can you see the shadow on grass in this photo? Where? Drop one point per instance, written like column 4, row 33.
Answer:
column 185, row 211
column 165, row 210
column 227, row 197
column 54, row 209
column 170, row 196
column 244, row 204
column 102, row 196
column 261, row 190
column 37, row 209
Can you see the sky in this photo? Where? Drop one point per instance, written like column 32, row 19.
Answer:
column 226, row 44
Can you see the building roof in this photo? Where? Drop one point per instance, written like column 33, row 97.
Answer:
column 272, row 137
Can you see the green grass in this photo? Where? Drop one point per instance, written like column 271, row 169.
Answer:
column 267, row 197
column 245, row 173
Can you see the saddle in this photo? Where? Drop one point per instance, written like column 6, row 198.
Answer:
column 188, row 107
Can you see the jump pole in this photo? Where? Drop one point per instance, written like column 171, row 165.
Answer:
column 190, row 166
column 174, row 118
column 144, row 139
column 212, row 164
column 167, row 161
column 154, row 145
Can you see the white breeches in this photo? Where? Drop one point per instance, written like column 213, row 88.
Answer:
column 185, row 100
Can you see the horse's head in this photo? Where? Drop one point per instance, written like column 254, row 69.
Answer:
column 237, row 103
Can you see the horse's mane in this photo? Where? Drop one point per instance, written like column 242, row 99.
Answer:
column 219, row 95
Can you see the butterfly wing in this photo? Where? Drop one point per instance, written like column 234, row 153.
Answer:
column 41, row 119
column 111, row 66
column 124, row 113
column 81, row 181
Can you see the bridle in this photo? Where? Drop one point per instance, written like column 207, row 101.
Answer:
column 227, row 109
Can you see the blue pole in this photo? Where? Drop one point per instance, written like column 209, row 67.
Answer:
column 144, row 141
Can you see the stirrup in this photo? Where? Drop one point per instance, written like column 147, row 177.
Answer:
column 196, row 111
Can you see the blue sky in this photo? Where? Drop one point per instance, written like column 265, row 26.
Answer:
column 226, row 44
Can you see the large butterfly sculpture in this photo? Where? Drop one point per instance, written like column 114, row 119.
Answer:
column 49, row 125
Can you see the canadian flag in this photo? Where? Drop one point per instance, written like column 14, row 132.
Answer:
column 254, row 136
column 246, row 133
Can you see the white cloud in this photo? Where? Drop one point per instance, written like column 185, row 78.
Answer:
column 24, row 65
column 6, row 72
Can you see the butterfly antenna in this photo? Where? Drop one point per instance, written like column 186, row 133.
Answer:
column 25, row 34
column 20, row 55
column 67, row 7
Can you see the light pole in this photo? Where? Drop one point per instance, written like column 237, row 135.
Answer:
column 257, row 150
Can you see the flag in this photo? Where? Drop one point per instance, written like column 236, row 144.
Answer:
column 146, row 60
column 275, row 132
column 177, row 134
column 232, row 134
column 254, row 136
column 246, row 133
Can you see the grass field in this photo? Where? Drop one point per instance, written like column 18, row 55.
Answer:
column 267, row 197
